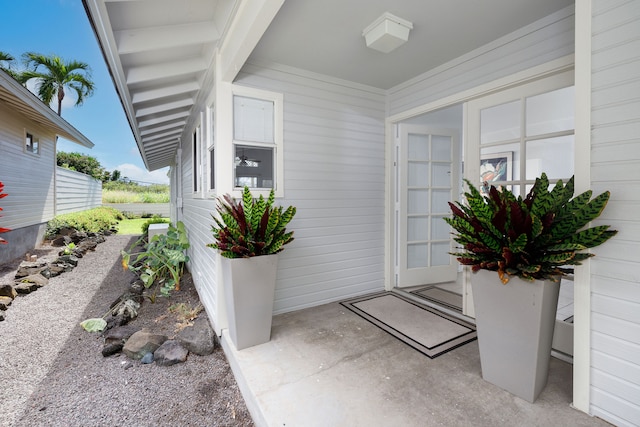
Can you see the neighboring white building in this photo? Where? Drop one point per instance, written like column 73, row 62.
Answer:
column 28, row 134
column 286, row 94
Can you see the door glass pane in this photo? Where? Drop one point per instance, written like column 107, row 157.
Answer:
column 439, row 229
column 439, row 201
column 440, row 254
column 500, row 163
column 417, row 255
column 553, row 156
column 500, row 123
column 418, row 148
column 441, row 148
column 417, row 228
column 418, row 174
column 550, row 112
column 418, row 201
column 441, row 175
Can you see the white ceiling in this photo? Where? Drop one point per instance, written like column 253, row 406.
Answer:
column 326, row 36
column 160, row 52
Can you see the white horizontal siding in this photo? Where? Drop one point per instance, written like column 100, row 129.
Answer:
column 615, row 166
column 76, row 191
column 28, row 178
column 334, row 175
column 543, row 41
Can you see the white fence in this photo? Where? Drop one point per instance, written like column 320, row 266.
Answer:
column 76, row 191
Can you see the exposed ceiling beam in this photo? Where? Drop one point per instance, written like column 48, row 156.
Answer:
column 168, row 106
column 156, row 38
column 166, row 70
column 165, row 91
column 162, row 119
column 171, row 127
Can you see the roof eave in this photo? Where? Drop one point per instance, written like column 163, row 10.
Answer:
column 34, row 108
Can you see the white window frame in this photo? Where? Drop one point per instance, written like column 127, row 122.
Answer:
column 210, row 152
column 196, row 161
column 35, row 142
column 278, row 136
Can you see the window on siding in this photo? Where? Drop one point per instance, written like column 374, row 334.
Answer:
column 31, row 144
column 196, row 162
column 257, row 140
column 212, row 152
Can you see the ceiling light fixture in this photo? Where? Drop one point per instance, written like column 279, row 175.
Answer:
column 387, row 32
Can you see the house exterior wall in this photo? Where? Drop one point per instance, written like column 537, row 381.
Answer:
column 615, row 166
column 543, row 41
column 28, row 180
column 334, row 173
column 76, row 191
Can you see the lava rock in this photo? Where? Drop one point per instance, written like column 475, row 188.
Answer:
column 198, row 339
column 141, row 343
column 7, row 291
column 5, row 302
column 147, row 358
column 170, row 353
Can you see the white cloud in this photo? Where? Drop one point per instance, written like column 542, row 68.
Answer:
column 136, row 173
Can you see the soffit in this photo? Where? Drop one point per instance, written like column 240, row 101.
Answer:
column 160, row 55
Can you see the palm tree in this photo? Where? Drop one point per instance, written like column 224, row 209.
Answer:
column 56, row 76
column 6, row 61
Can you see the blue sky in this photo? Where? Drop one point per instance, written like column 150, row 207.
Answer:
column 61, row 27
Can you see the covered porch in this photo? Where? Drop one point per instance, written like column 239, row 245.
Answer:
column 326, row 366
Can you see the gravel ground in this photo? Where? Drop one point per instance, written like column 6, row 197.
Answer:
column 52, row 372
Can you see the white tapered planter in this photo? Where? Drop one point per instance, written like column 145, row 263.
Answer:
column 515, row 325
column 249, row 287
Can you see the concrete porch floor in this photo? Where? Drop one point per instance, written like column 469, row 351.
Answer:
column 326, row 366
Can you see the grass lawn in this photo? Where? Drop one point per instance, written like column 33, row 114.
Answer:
column 131, row 226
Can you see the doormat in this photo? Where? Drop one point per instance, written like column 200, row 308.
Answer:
column 441, row 296
column 427, row 330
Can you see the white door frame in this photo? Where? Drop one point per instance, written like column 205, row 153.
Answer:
column 550, row 68
column 581, row 303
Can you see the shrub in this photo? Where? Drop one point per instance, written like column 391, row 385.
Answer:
column 91, row 221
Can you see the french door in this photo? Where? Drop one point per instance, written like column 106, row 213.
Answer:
column 515, row 135
column 427, row 177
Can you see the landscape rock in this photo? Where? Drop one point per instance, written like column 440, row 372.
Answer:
column 29, row 268
column 137, row 287
column 198, row 339
column 115, row 338
column 25, row 288
column 141, row 343
column 61, row 241
column 5, row 302
column 87, row 245
column 78, row 236
column 29, row 284
column 170, row 353
column 1, row 316
column 147, row 358
column 7, row 290
column 67, row 259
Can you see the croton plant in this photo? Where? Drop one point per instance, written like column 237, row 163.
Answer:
column 538, row 237
column 2, row 229
column 251, row 227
